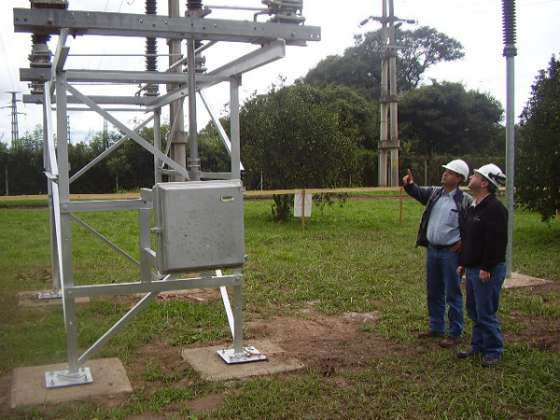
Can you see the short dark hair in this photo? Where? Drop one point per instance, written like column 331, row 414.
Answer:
column 492, row 189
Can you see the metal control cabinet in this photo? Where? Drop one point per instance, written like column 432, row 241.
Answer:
column 199, row 225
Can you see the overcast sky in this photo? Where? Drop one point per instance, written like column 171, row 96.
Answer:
column 475, row 23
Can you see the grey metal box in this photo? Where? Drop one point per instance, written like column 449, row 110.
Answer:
column 200, row 225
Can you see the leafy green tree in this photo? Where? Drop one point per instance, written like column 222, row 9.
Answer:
column 360, row 65
column 302, row 136
column 538, row 177
column 213, row 154
column 445, row 118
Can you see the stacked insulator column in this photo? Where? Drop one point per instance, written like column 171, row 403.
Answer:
column 40, row 54
column 151, row 52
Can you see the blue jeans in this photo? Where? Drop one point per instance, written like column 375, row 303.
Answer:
column 483, row 300
column 444, row 288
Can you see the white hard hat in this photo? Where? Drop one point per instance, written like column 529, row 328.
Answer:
column 458, row 166
column 492, row 173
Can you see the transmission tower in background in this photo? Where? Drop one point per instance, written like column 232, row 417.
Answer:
column 105, row 134
column 15, row 113
column 389, row 144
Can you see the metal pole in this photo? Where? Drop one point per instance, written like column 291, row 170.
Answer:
column 235, row 156
column 178, row 140
column 510, row 51
column 194, row 160
column 510, row 158
column 68, row 303
column 157, row 145
column 144, row 228
column 52, row 234
column 238, row 314
column 383, row 120
column 393, row 105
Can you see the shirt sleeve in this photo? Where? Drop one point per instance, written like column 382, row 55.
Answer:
column 421, row 194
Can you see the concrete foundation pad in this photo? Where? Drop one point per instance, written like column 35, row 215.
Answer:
column 210, row 366
column 28, row 383
column 522, row 280
column 31, row 300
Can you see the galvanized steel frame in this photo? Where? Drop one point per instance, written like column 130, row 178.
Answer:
column 57, row 80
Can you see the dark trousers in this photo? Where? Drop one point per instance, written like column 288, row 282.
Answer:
column 443, row 289
column 483, row 300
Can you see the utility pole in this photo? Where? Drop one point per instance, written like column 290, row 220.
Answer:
column 176, row 115
column 15, row 113
column 68, row 128
column 510, row 51
column 105, row 134
column 389, row 144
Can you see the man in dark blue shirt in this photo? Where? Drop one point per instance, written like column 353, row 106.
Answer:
column 483, row 259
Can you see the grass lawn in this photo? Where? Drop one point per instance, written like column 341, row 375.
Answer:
column 299, row 284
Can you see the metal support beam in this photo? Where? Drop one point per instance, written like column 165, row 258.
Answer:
column 216, row 121
column 134, row 136
column 154, row 286
column 107, row 151
column 100, row 100
column 234, row 84
column 105, row 240
column 119, row 325
column 264, row 55
column 104, row 205
column 65, row 226
column 50, row 21
column 50, row 165
column 60, row 57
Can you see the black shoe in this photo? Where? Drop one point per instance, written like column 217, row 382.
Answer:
column 490, row 361
column 430, row 334
column 466, row 354
column 449, row 342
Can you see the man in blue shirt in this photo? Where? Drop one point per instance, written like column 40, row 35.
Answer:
column 441, row 230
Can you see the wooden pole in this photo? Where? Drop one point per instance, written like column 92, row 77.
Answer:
column 401, row 205
column 303, row 209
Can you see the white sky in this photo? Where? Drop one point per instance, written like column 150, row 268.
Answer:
column 475, row 23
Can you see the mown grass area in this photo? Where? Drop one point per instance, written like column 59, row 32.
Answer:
column 350, row 258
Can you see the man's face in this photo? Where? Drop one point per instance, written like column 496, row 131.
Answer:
column 450, row 178
column 477, row 182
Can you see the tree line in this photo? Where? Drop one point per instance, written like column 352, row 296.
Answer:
column 322, row 131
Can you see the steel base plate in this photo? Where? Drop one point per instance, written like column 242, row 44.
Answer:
column 248, row 354
column 51, row 294
column 63, row 378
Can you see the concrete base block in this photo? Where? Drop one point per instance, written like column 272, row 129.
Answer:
column 31, row 300
column 28, row 383
column 522, row 280
column 210, row 366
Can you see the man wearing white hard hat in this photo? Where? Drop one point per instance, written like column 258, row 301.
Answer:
column 441, row 231
column 483, row 260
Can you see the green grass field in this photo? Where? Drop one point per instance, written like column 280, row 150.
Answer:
column 350, row 258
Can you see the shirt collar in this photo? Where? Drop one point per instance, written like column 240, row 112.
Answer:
column 450, row 193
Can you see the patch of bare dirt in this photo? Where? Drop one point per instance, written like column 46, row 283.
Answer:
column 207, row 404
column 539, row 331
column 5, row 388
column 147, row 416
column 165, row 361
column 327, row 343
